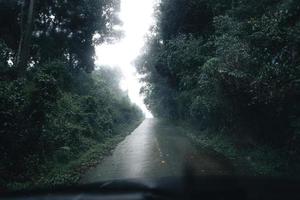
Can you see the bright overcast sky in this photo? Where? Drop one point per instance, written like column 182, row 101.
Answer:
column 137, row 17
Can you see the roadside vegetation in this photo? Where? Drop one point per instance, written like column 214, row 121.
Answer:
column 57, row 113
column 69, row 172
column 232, row 68
column 247, row 157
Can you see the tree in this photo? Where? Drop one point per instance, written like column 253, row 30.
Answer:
column 49, row 98
column 27, row 18
column 230, row 65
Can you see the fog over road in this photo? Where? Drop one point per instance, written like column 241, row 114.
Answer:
column 155, row 149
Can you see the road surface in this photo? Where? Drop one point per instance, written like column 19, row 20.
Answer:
column 156, row 149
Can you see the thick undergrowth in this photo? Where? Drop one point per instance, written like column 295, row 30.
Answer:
column 232, row 68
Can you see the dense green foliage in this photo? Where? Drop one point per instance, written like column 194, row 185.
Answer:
column 56, row 109
column 230, row 66
column 245, row 156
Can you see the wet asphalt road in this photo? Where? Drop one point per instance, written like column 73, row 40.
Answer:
column 156, row 149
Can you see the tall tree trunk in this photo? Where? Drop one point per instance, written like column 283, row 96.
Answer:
column 25, row 39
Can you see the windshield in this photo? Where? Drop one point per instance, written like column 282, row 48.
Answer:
column 98, row 90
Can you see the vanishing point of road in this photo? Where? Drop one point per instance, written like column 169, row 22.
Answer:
column 156, row 149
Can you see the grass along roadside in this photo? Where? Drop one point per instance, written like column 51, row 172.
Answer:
column 247, row 160
column 70, row 173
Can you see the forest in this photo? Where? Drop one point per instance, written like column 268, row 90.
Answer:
column 232, row 68
column 54, row 104
column 228, row 68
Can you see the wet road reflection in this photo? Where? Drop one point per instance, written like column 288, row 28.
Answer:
column 154, row 149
